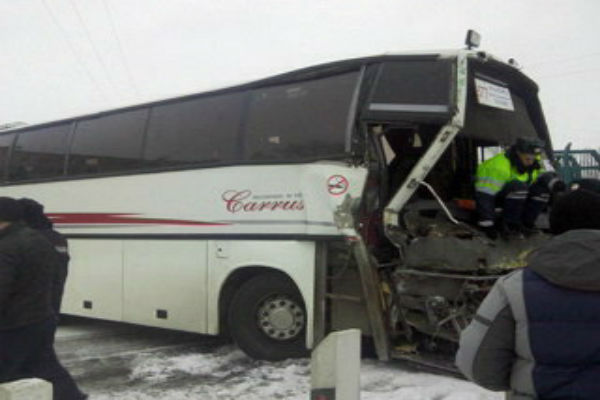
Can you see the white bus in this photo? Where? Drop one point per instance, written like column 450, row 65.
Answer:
column 237, row 211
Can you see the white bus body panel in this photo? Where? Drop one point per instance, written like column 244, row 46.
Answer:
column 282, row 199
column 148, row 242
column 132, row 280
column 165, row 276
column 96, row 276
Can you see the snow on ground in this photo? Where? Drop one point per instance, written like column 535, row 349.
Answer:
column 227, row 374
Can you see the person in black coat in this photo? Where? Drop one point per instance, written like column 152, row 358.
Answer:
column 34, row 217
column 28, row 273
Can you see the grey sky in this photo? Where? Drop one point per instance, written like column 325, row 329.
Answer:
column 61, row 58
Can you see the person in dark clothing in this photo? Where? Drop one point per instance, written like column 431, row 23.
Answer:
column 590, row 184
column 28, row 271
column 580, row 208
column 34, row 217
column 536, row 334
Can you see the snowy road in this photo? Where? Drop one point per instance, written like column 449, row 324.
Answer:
column 121, row 362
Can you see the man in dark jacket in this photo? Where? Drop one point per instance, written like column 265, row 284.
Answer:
column 34, row 217
column 537, row 333
column 28, row 266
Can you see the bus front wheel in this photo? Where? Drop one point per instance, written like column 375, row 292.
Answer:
column 267, row 318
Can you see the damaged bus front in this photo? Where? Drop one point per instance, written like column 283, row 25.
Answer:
column 425, row 125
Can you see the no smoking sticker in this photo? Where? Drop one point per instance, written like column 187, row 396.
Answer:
column 337, row 185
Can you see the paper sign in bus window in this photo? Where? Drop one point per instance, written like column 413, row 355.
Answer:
column 493, row 95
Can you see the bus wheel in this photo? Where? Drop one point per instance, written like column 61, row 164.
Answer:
column 267, row 318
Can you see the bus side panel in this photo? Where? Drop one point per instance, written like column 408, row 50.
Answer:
column 165, row 284
column 94, row 286
column 294, row 258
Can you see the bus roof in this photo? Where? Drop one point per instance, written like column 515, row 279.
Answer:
column 302, row 74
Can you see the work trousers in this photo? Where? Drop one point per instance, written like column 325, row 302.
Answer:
column 521, row 204
column 28, row 352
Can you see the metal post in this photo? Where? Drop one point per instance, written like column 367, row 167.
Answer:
column 320, row 301
column 335, row 367
column 26, row 389
column 369, row 278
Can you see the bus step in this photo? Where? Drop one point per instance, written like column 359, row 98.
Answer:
column 344, row 297
column 436, row 363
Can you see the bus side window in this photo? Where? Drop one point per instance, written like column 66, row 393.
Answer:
column 85, row 165
column 110, row 143
column 198, row 130
column 299, row 121
column 6, row 142
column 39, row 153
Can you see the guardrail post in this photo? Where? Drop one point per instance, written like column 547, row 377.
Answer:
column 26, row 389
column 335, row 367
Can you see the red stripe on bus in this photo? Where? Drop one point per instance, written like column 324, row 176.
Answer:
column 120, row 218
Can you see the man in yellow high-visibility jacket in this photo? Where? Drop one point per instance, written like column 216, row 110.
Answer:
column 516, row 182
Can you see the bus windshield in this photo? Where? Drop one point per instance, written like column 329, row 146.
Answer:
column 502, row 104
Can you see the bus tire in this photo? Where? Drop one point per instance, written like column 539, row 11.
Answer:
column 267, row 318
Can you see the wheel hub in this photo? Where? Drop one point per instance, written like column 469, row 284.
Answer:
column 280, row 318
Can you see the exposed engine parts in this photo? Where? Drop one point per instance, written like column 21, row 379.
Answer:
column 445, row 272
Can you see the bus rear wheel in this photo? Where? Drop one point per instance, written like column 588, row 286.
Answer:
column 267, row 318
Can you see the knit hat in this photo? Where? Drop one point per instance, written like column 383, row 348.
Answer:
column 579, row 209
column 528, row 145
column 10, row 210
